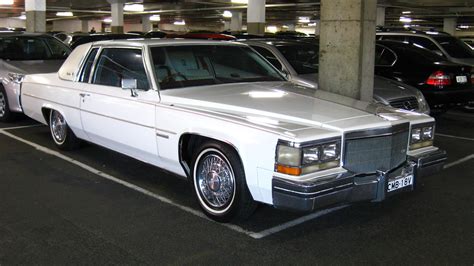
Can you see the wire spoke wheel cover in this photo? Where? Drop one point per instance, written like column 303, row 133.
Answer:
column 3, row 104
column 58, row 127
column 214, row 181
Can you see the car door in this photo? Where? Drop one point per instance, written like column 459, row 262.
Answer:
column 120, row 119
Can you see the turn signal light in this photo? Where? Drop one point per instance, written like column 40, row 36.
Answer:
column 439, row 79
column 288, row 170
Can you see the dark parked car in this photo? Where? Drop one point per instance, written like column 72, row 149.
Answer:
column 102, row 37
column 299, row 60
column 443, row 44
column 155, row 34
column 443, row 83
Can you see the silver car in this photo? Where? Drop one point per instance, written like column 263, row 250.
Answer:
column 299, row 60
column 21, row 54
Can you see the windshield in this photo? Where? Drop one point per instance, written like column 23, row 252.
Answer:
column 198, row 65
column 455, row 47
column 32, row 48
column 303, row 58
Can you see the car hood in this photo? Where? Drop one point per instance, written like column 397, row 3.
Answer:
column 33, row 66
column 385, row 90
column 290, row 107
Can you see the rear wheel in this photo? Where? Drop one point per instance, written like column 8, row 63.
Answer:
column 62, row 135
column 5, row 114
column 219, row 183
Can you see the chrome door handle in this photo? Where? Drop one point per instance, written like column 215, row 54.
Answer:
column 84, row 94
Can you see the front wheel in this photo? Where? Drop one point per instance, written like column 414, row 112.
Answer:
column 62, row 135
column 219, row 183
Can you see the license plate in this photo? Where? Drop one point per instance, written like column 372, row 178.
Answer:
column 400, row 183
column 461, row 79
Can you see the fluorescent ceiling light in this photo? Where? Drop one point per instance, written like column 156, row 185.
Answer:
column 64, row 14
column 107, row 20
column 6, row 2
column 312, row 24
column 464, row 27
column 133, row 8
column 406, row 12
column 405, row 19
column 227, row 14
column 180, row 23
column 240, row 1
column 406, row 26
column 304, row 20
column 155, row 18
column 22, row 17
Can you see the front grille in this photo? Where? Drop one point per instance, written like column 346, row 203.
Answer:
column 376, row 152
column 410, row 103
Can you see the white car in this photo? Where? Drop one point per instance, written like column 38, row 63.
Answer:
column 219, row 114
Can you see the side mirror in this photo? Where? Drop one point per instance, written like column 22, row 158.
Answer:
column 130, row 84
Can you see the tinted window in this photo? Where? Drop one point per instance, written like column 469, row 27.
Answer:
column 32, row 48
column 197, row 65
column 269, row 56
column 383, row 56
column 88, row 65
column 455, row 47
column 423, row 43
column 115, row 64
column 303, row 58
column 416, row 55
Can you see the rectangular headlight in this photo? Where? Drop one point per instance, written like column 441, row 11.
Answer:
column 422, row 135
column 304, row 158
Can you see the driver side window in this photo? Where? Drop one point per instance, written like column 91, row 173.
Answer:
column 115, row 64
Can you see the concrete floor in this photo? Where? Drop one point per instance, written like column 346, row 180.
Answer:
column 54, row 211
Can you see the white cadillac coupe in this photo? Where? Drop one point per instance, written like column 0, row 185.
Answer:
column 220, row 115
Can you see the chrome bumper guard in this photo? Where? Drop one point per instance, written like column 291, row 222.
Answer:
column 352, row 187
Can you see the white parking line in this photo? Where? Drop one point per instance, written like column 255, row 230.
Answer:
column 20, row 127
column 462, row 160
column 256, row 235
column 454, row 137
column 295, row 222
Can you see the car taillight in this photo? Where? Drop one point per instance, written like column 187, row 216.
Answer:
column 439, row 79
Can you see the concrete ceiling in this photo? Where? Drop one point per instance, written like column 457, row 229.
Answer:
column 424, row 12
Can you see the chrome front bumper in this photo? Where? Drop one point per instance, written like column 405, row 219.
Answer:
column 352, row 187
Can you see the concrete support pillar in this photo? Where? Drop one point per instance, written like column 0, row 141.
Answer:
column 449, row 25
column 84, row 25
column 35, row 15
column 380, row 16
column 226, row 25
column 236, row 22
column 117, row 15
column 146, row 23
column 256, row 17
column 347, row 47
column 317, row 28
